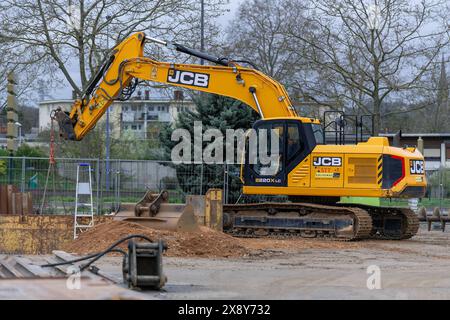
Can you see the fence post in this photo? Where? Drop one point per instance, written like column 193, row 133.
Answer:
column 201, row 178
column 22, row 183
column 157, row 172
column 10, row 168
column 119, row 170
column 225, row 183
column 98, row 186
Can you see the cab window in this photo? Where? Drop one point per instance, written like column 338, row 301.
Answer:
column 294, row 145
column 318, row 133
column 269, row 160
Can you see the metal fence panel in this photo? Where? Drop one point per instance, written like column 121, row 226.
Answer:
column 128, row 180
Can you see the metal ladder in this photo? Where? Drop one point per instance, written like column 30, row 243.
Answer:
column 85, row 219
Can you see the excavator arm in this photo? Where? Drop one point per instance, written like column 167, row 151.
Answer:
column 127, row 65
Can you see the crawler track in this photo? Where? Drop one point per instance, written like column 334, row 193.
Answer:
column 343, row 222
column 392, row 223
column 297, row 220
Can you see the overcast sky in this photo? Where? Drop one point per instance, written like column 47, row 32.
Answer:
column 65, row 92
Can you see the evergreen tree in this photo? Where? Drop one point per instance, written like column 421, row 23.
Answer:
column 214, row 112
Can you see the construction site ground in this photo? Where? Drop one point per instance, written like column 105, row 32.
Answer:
column 418, row 268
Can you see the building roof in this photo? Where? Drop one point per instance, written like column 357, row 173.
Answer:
column 417, row 135
column 155, row 100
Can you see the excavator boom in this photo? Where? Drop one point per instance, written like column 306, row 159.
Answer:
column 127, row 64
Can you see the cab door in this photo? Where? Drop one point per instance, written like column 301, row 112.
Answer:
column 264, row 157
column 276, row 148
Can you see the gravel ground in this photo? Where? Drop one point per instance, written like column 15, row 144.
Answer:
column 281, row 269
column 414, row 269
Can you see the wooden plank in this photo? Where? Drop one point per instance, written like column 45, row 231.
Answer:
column 3, row 199
column 62, row 269
column 64, row 256
column 17, row 199
column 31, row 268
column 29, row 203
column 11, row 189
column 94, row 271
column 10, row 202
column 7, row 269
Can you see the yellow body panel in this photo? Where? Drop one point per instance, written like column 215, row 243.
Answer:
column 326, row 177
column 359, row 176
column 301, row 175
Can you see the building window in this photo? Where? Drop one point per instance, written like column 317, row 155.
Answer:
column 125, row 108
column 133, row 127
column 151, row 108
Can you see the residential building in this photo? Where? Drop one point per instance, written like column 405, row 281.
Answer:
column 138, row 115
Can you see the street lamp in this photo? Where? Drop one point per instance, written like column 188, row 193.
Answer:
column 19, row 125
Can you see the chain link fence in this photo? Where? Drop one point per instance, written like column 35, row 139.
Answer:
column 126, row 181
column 113, row 183
column 437, row 194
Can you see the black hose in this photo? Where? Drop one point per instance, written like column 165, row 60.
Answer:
column 98, row 255
column 112, row 247
column 247, row 62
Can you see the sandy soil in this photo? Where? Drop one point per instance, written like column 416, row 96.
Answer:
column 211, row 265
column 418, row 268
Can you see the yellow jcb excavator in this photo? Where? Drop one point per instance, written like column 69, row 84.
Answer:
column 313, row 174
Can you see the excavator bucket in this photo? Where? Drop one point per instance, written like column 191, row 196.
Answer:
column 154, row 211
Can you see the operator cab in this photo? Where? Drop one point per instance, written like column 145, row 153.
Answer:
column 275, row 147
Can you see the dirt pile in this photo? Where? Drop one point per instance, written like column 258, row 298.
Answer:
column 205, row 243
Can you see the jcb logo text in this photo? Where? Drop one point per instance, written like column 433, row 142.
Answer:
column 327, row 162
column 416, row 167
column 188, row 78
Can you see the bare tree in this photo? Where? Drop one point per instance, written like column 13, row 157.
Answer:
column 259, row 34
column 34, row 70
column 73, row 36
column 370, row 50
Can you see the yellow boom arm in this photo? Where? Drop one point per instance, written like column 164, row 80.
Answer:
column 262, row 93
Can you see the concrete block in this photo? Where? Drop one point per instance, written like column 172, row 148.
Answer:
column 12, row 130
column 11, row 144
column 11, row 88
column 11, row 102
column 12, row 116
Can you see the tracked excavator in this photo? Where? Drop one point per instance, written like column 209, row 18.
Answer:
column 313, row 174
